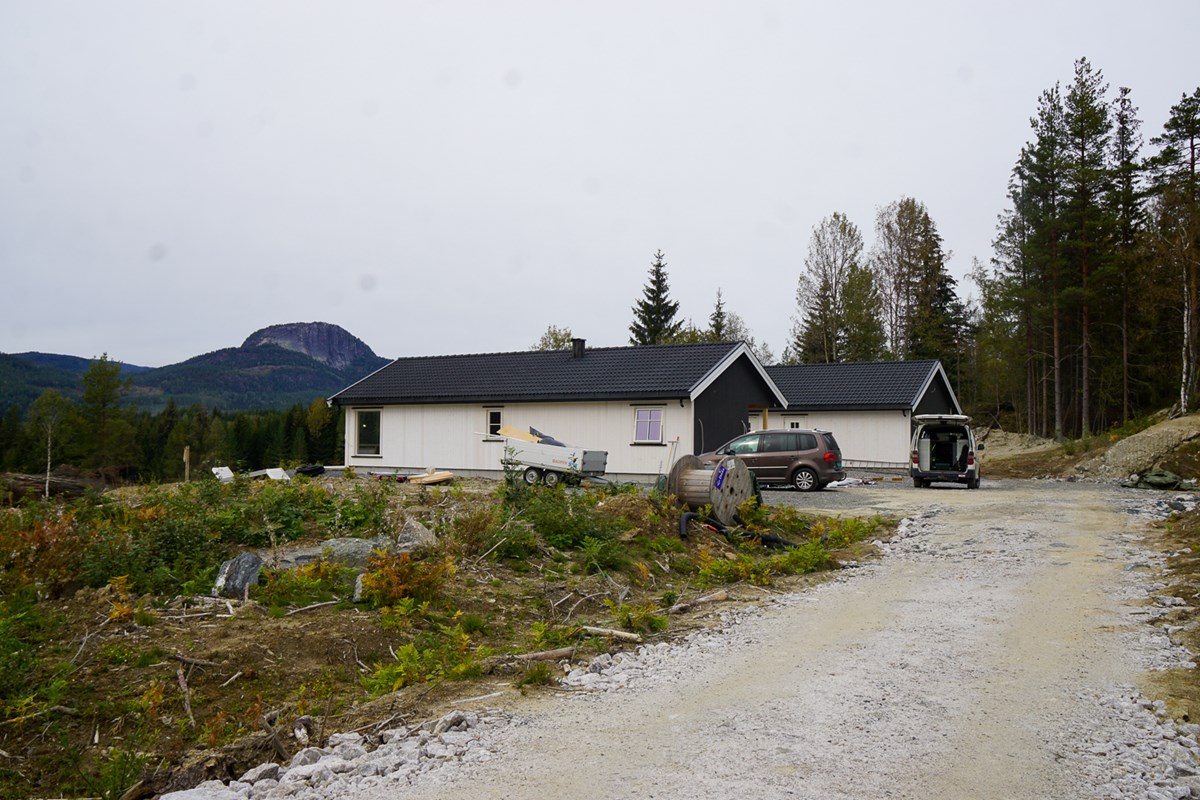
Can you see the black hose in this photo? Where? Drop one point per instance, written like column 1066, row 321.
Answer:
column 767, row 539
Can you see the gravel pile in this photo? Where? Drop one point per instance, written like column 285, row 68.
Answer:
column 1121, row 746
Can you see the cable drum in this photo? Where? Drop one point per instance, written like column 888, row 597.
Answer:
column 724, row 487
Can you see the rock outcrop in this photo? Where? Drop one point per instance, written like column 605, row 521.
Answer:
column 323, row 341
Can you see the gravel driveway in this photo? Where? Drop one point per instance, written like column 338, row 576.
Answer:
column 993, row 652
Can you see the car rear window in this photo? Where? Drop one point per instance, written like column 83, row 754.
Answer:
column 830, row 442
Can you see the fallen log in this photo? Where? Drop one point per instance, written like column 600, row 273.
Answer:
column 699, row 601
column 547, row 655
column 622, row 635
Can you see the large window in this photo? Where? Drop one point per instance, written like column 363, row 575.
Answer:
column 366, row 442
column 647, row 426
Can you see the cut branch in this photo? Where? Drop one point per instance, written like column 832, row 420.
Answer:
column 622, row 635
column 699, row 601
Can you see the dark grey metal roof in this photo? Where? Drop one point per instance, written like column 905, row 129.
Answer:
column 602, row 373
column 860, row 385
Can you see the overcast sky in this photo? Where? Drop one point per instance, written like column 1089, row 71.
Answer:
column 453, row 177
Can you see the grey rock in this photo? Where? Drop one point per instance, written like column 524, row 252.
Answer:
column 209, row 790
column 236, row 576
column 344, row 738
column 414, row 536
column 261, row 788
column 349, row 751
column 307, row 757
column 455, row 720
column 312, row 774
column 262, row 772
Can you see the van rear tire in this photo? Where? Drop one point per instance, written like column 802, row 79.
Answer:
column 918, row 483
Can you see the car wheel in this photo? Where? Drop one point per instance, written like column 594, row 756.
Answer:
column 919, row 483
column 973, row 482
column 551, row 478
column 533, row 475
column 804, row 479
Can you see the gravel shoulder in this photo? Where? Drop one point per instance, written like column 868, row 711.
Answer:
column 993, row 652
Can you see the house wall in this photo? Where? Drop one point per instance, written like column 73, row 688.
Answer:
column 451, row 436
column 881, row 437
column 722, row 409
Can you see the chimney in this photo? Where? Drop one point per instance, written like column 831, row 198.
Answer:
column 577, row 347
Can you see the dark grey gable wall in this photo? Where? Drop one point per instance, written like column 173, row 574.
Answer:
column 723, row 408
column 937, row 399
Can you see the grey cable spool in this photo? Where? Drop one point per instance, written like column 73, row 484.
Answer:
column 725, row 488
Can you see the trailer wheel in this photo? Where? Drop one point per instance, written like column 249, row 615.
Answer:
column 551, row 478
column 533, row 475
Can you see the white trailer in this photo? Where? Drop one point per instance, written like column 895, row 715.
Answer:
column 551, row 463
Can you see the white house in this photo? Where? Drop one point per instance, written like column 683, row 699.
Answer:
column 868, row 406
column 646, row 405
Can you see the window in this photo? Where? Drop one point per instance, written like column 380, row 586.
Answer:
column 744, row 446
column 647, row 428
column 367, row 440
column 807, row 442
column 495, row 420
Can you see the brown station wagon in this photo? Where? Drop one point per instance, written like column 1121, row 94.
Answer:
column 806, row 459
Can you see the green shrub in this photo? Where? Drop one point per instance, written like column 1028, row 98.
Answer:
column 316, row 582
column 602, row 555
column 566, row 519
column 444, row 654
column 638, row 619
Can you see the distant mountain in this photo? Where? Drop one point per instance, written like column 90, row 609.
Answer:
column 330, row 344
column 74, row 364
column 21, row 381
column 275, row 367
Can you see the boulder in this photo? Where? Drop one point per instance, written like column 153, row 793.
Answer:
column 236, row 576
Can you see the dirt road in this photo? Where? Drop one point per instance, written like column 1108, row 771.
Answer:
column 993, row 652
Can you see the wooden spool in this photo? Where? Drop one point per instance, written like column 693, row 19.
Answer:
column 725, row 488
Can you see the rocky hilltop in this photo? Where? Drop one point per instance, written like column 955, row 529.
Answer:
column 322, row 341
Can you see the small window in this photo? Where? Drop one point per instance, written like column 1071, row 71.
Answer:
column 807, row 442
column 647, row 428
column 367, row 440
column 495, row 421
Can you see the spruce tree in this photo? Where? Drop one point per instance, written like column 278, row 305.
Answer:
column 717, row 320
column 654, row 315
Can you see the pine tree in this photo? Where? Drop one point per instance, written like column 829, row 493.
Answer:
column 1087, row 131
column 1126, row 208
column 654, row 315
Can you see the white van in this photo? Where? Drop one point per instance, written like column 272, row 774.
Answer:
column 943, row 450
